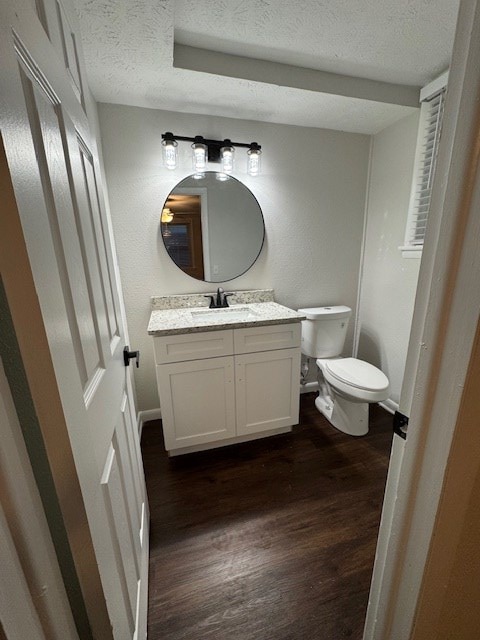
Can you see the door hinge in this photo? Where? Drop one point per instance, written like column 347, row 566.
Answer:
column 400, row 424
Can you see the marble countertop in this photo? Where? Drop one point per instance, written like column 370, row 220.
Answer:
column 165, row 322
column 188, row 300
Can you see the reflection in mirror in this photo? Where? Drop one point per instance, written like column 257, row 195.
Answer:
column 212, row 227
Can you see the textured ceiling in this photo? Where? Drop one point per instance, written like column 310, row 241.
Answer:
column 400, row 41
column 128, row 46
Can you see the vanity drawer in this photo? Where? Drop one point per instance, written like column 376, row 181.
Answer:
column 267, row 338
column 193, row 346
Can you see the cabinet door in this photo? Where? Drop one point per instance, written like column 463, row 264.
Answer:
column 197, row 400
column 268, row 390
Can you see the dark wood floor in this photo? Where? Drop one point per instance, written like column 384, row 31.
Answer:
column 267, row 540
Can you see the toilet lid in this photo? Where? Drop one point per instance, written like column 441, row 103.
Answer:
column 357, row 373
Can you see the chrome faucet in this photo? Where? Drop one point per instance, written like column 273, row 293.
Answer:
column 220, row 300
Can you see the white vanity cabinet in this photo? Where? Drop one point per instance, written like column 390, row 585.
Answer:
column 221, row 387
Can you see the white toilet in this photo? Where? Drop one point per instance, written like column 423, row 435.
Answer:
column 346, row 385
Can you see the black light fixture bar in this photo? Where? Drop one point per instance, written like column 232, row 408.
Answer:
column 246, row 145
column 213, row 146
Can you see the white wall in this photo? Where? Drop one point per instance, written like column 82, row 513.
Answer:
column 311, row 191
column 388, row 282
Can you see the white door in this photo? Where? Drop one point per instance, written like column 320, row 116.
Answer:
column 51, row 158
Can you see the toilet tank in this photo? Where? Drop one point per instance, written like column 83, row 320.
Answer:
column 324, row 331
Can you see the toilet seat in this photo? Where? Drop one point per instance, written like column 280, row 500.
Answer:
column 355, row 378
column 357, row 373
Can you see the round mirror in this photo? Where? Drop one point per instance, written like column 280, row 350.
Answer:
column 212, row 227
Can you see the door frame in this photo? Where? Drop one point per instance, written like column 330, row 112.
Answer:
column 440, row 352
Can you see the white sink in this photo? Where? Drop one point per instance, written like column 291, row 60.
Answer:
column 230, row 313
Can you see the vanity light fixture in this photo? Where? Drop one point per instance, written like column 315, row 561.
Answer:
column 227, row 153
column 199, row 155
column 206, row 150
column 254, row 157
column 169, row 149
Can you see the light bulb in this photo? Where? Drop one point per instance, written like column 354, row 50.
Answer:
column 167, row 215
column 227, row 154
column 254, row 159
column 199, row 155
column 169, row 147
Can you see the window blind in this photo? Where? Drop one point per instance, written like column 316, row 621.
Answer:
column 420, row 205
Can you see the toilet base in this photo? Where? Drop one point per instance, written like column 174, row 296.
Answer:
column 344, row 415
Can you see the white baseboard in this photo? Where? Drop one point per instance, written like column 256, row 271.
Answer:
column 389, row 405
column 146, row 416
column 309, row 387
